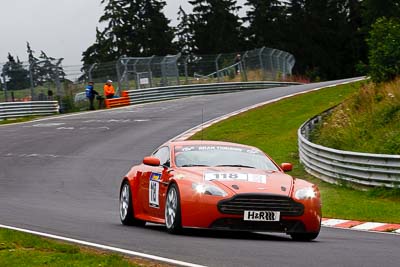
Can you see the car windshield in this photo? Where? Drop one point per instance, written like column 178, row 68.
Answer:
column 222, row 155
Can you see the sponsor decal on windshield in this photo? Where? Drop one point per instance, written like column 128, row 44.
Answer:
column 217, row 148
column 226, row 176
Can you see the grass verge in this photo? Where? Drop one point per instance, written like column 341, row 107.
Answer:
column 20, row 249
column 363, row 121
column 273, row 128
column 16, row 120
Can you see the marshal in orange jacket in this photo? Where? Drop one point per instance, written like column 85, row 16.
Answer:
column 109, row 90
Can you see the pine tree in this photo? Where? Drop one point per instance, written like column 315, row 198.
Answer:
column 101, row 50
column 31, row 57
column 324, row 37
column 17, row 77
column 51, row 67
column 183, row 31
column 374, row 9
column 133, row 28
column 44, row 68
column 265, row 19
column 216, row 26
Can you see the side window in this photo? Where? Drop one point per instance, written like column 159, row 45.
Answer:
column 163, row 155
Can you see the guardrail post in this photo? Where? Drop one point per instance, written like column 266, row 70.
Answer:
column 244, row 66
column 177, row 68
column 149, row 70
column 263, row 70
column 217, row 67
column 5, row 87
column 279, row 67
column 31, row 79
column 186, row 69
column 90, row 77
column 117, row 64
column 163, row 72
column 57, row 81
column 134, row 71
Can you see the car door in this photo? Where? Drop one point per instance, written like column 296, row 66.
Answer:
column 153, row 186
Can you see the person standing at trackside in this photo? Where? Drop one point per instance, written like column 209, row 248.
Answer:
column 90, row 93
column 109, row 90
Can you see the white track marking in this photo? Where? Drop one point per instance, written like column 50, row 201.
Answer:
column 368, row 226
column 333, row 222
column 99, row 246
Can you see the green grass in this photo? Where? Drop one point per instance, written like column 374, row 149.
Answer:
column 364, row 120
column 20, row 249
column 16, row 120
column 273, row 128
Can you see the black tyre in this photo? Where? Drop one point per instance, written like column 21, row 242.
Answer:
column 126, row 213
column 173, row 210
column 304, row 236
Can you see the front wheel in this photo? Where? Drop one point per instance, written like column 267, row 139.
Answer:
column 126, row 213
column 173, row 210
column 304, row 236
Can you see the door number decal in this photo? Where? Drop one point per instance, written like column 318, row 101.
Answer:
column 154, row 189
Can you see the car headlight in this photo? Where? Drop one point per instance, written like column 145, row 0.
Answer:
column 305, row 193
column 208, row 189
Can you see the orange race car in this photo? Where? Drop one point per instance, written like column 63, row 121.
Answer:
column 219, row 185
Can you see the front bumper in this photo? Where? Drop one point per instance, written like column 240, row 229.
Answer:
column 202, row 211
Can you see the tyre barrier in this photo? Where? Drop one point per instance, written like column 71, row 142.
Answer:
column 31, row 108
column 339, row 166
column 117, row 102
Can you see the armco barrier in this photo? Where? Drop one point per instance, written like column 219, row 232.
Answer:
column 336, row 166
column 23, row 109
column 173, row 92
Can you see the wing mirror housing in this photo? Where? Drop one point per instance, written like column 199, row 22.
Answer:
column 151, row 161
column 287, row 167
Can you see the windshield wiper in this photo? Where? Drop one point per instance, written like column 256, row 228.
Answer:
column 234, row 165
column 194, row 165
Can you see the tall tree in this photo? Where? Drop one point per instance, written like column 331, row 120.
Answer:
column 374, row 9
column 101, row 51
column 184, row 34
column 45, row 68
column 17, row 77
column 265, row 19
column 216, row 26
column 324, row 37
column 133, row 28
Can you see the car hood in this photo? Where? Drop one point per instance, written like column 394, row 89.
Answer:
column 241, row 180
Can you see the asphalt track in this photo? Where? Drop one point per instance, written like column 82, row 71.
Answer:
column 62, row 175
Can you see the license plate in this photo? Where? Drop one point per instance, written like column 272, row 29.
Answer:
column 263, row 216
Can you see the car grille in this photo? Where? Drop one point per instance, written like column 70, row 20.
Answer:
column 266, row 202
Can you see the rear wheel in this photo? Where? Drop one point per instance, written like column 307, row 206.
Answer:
column 173, row 210
column 304, row 236
column 126, row 212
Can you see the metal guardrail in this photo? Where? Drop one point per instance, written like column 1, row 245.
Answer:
column 23, row 109
column 173, row 92
column 336, row 166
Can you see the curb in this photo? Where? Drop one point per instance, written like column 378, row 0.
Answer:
column 362, row 226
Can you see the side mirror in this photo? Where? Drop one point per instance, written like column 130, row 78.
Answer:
column 152, row 161
column 287, row 167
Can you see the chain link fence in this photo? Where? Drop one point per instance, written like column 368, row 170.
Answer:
column 49, row 79
column 37, row 81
